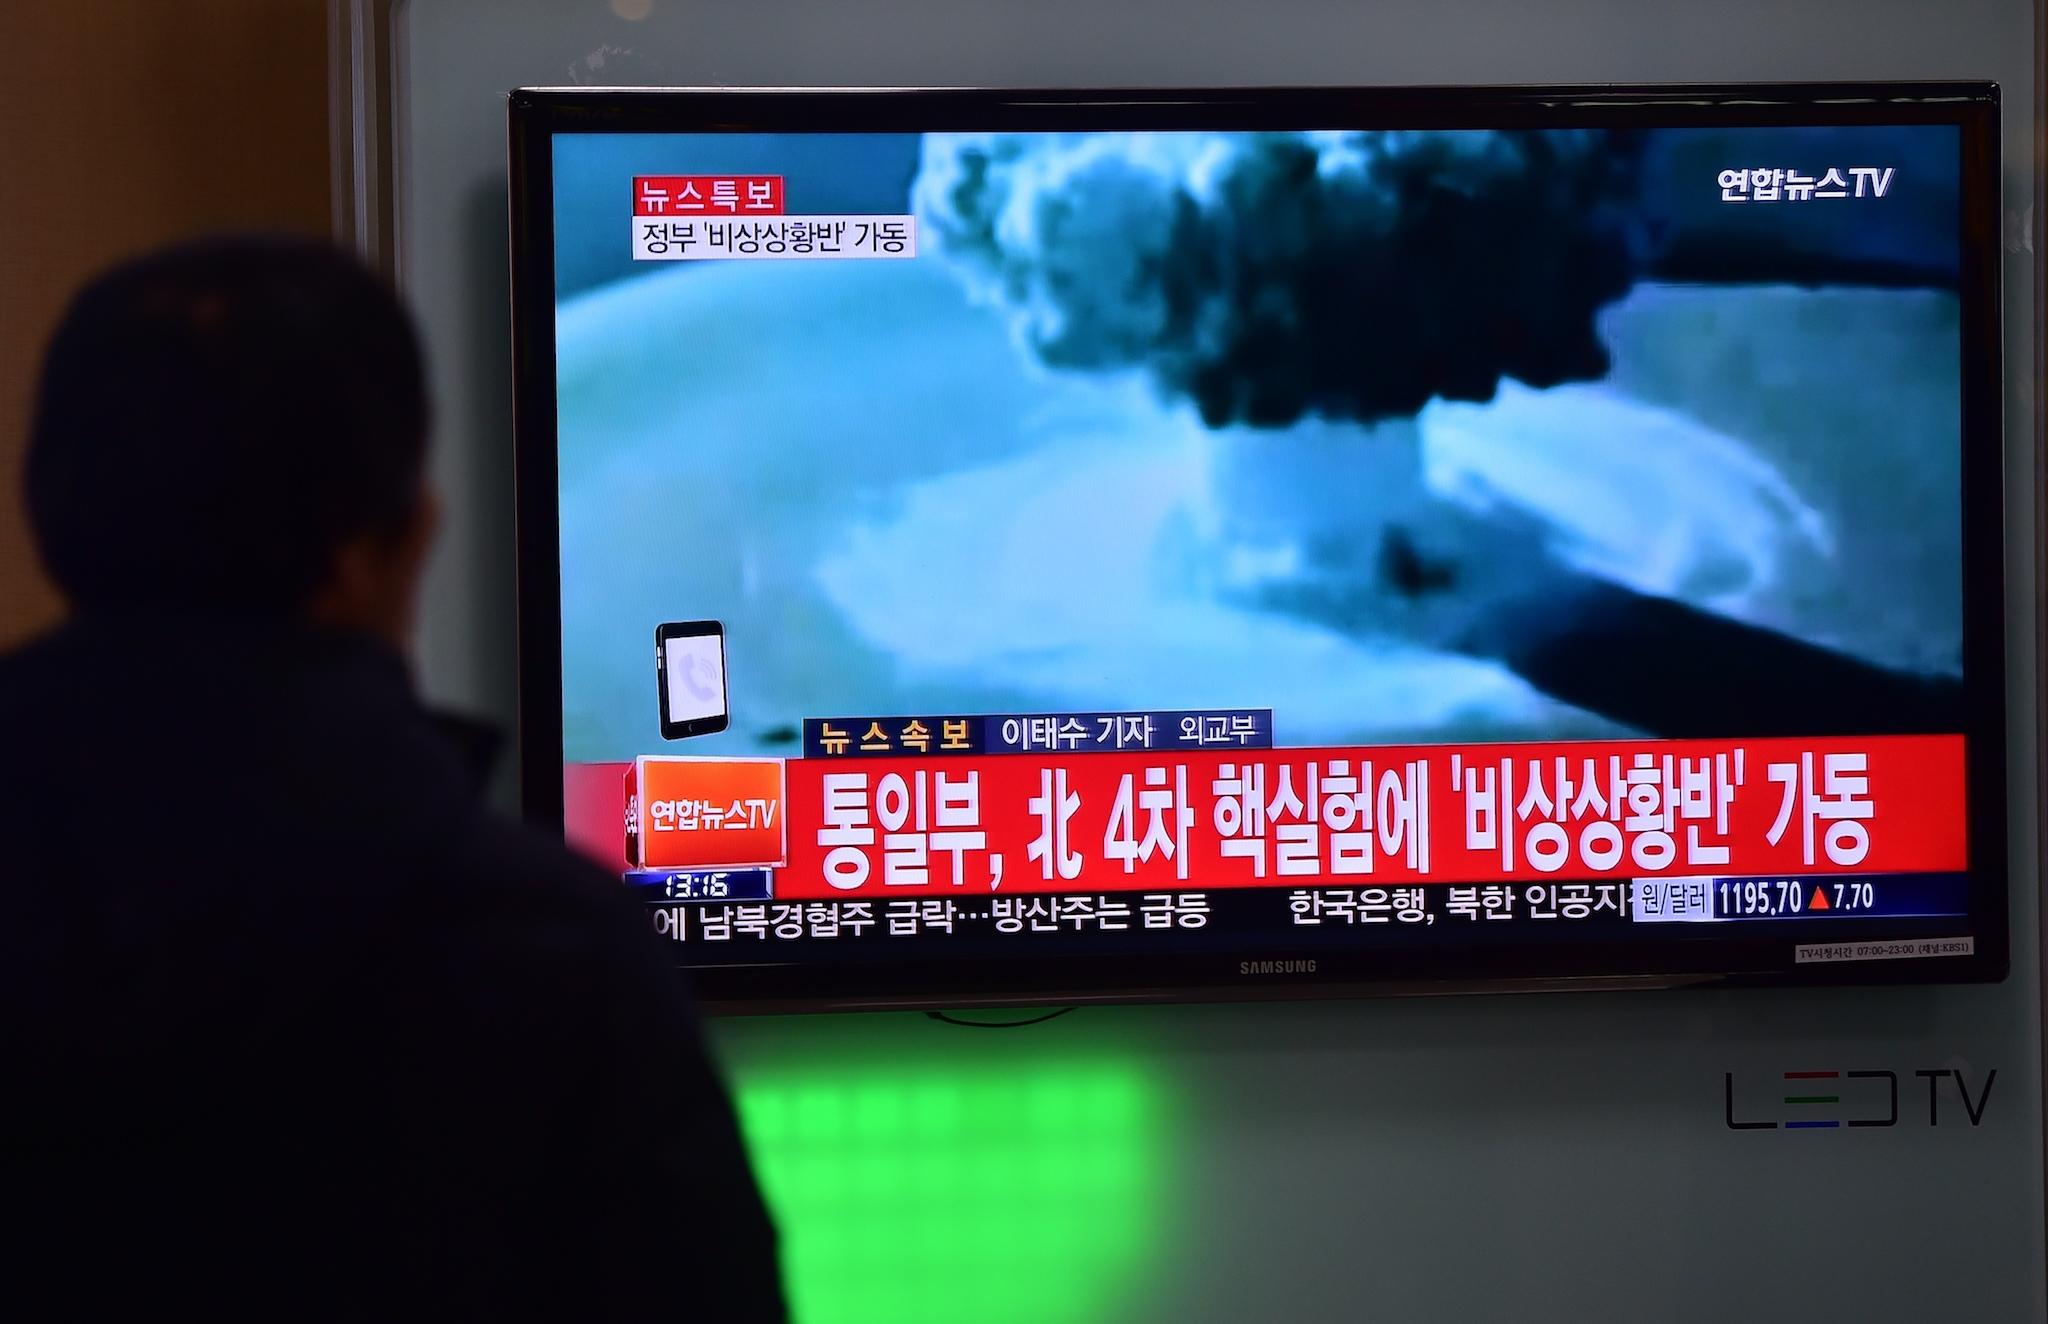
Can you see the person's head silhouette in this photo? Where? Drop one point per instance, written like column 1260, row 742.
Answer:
column 235, row 426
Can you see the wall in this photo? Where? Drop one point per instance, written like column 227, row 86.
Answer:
column 125, row 124
column 1475, row 1159
column 1490, row 1158
column 1484, row 1158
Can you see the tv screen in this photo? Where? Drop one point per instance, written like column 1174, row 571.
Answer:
column 986, row 547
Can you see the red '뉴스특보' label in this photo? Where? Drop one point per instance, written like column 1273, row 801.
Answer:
column 707, row 195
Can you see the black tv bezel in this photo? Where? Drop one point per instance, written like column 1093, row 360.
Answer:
column 537, row 115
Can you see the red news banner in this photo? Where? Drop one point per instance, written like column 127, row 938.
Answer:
column 1292, row 817
column 698, row 195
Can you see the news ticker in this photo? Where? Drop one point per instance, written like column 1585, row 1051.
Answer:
column 750, row 907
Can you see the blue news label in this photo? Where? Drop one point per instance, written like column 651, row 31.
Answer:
column 1038, row 733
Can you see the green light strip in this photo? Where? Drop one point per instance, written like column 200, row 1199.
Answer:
column 998, row 1193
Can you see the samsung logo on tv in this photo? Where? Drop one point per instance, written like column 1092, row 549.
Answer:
column 1276, row 967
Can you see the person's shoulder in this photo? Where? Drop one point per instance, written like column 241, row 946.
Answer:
column 32, row 669
column 49, row 691
column 524, row 870
column 535, row 913
column 542, row 859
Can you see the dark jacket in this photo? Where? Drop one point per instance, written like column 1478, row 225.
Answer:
column 293, row 1025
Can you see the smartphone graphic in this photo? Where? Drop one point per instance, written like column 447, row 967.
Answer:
column 689, row 671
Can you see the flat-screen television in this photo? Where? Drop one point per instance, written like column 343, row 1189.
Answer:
column 1032, row 547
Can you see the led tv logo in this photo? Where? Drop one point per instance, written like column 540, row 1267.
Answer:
column 1832, row 1100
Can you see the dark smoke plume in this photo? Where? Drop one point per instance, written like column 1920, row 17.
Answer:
column 1272, row 276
